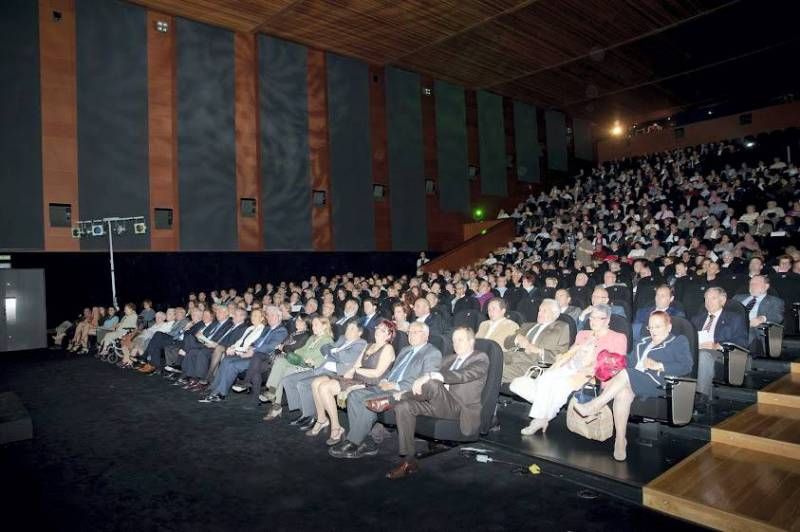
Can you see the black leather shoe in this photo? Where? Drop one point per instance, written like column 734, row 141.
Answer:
column 308, row 424
column 367, row 448
column 341, row 450
column 302, row 420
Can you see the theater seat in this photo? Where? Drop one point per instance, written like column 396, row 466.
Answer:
column 448, row 430
column 677, row 405
column 467, row 318
column 515, row 316
column 735, row 357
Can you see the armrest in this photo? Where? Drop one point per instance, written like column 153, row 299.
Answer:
column 769, row 324
column 727, row 347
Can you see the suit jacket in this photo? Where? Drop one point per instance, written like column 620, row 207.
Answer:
column 465, row 303
column 731, row 327
column 554, row 339
column 339, row 328
column 225, row 338
column 427, row 359
column 466, row 387
column 270, row 339
column 344, row 358
column 502, row 330
column 434, row 323
column 771, row 307
column 573, row 312
column 674, row 352
column 643, row 314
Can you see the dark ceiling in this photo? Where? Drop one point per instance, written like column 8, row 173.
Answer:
column 596, row 59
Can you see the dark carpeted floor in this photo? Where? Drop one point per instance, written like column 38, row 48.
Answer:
column 116, row 450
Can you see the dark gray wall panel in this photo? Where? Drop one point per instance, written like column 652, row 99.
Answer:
column 492, row 144
column 206, row 137
column 112, row 116
column 406, row 163
column 350, row 154
column 526, row 139
column 21, row 216
column 285, row 179
column 582, row 133
column 451, row 147
column 556, row 131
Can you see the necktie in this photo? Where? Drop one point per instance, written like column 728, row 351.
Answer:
column 216, row 328
column 264, row 339
column 397, row 373
column 456, row 363
column 750, row 304
column 246, row 336
column 709, row 323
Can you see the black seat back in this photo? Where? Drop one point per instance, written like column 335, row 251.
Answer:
column 573, row 327
column 442, row 343
column 399, row 341
column 528, row 308
column 467, row 318
column 492, row 388
column 684, row 327
column 515, row 316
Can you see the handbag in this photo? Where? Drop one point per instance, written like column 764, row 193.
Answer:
column 609, row 364
column 341, row 397
column 599, row 427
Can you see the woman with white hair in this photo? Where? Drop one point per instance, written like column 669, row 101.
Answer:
column 571, row 370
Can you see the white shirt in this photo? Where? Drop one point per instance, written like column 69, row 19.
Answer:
column 704, row 336
column 754, row 311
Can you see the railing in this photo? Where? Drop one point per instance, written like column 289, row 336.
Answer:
column 477, row 247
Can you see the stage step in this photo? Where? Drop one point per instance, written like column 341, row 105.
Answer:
column 783, row 392
column 795, row 367
column 730, row 488
column 762, row 427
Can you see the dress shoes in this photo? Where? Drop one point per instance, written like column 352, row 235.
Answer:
column 147, row 368
column 405, row 469
column 308, row 424
column 302, row 420
column 213, row 398
column 346, row 449
column 240, row 388
column 173, row 369
column 379, row 405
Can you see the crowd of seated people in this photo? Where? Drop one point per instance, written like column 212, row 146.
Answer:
column 604, row 264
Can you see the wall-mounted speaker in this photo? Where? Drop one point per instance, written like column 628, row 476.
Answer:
column 163, row 218
column 318, row 198
column 60, row 215
column 248, row 208
column 430, row 187
column 378, row 191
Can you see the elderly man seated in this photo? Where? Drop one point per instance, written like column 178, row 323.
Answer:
column 452, row 392
column 761, row 308
column 418, row 358
column 534, row 343
column 497, row 327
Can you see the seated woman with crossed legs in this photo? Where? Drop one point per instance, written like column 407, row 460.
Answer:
column 571, row 370
column 369, row 369
column 661, row 352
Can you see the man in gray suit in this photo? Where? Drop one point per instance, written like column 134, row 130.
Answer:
column 760, row 306
column 538, row 342
column 454, row 392
column 418, row 358
column 339, row 358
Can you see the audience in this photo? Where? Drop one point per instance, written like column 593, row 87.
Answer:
column 642, row 239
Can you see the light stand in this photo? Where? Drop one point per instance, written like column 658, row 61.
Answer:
column 96, row 228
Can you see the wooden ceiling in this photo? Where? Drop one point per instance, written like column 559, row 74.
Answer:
column 599, row 59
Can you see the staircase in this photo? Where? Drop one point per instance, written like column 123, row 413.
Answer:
column 494, row 234
column 748, row 477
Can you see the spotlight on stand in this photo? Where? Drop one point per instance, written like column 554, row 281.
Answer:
column 120, row 228
column 98, row 229
column 76, row 232
column 139, row 228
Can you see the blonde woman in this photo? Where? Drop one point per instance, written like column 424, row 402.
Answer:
column 369, row 369
column 303, row 359
column 87, row 326
column 125, row 325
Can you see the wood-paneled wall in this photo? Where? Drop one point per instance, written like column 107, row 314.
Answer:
column 318, row 148
column 59, row 117
column 248, row 184
column 162, row 130
column 380, row 163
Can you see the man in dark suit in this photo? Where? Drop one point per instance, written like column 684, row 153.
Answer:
column 370, row 319
column 664, row 301
column 422, row 313
column 197, row 361
column 418, row 358
column 274, row 333
column 350, row 314
column 201, row 321
column 453, row 392
column 155, row 347
column 463, row 301
column 715, row 326
column 761, row 307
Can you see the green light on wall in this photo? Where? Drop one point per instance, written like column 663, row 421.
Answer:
column 478, row 213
